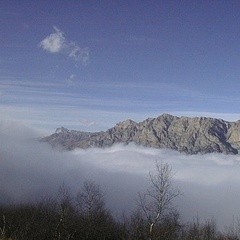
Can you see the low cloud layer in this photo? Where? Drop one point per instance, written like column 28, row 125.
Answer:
column 56, row 42
column 30, row 170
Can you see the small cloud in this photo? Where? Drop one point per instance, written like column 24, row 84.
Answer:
column 78, row 54
column 87, row 123
column 54, row 43
column 57, row 43
column 70, row 80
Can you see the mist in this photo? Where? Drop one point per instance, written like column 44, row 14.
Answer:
column 31, row 171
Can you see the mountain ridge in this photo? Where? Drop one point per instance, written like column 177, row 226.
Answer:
column 191, row 135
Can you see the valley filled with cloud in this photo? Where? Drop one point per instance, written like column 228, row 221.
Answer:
column 31, row 171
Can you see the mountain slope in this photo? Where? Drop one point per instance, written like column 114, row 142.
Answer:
column 184, row 134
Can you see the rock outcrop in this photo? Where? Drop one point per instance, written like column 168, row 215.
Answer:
column 184, row 134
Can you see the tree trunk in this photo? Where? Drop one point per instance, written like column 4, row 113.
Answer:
column 151, row 231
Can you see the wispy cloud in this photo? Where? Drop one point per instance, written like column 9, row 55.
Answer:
column 56, row 42
column 87, row 123
column 47, row 105
column 70, row 80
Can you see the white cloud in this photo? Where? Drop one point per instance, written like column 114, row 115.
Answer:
column 54, row 43
column 57, row 43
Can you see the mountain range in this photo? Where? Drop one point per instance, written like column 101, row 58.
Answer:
column 190, row 135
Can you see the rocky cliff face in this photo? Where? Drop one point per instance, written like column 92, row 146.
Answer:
column 184, row 134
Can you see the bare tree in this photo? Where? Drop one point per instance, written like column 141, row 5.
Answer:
column 91, row 199
column 3, row 228
column 65, row 228
column 157, row 200
column 97, row 220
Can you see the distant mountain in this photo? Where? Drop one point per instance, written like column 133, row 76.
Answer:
column 184, row 134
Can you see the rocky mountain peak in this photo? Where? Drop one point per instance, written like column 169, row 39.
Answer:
column 62, row 130
column 126, row 124
column 184, row 134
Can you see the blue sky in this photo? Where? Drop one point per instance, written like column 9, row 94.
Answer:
column 87, row 65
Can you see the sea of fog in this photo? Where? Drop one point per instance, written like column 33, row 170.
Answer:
column 30, row 170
